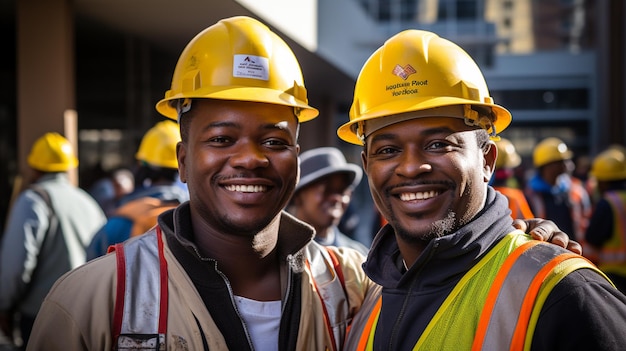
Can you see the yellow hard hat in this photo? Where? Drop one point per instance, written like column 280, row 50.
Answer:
column 416, row 71
column 52, row 153
column 609, row 165
column 551, row 150
column 507, row 155
column 158, row 146
column 238, row 58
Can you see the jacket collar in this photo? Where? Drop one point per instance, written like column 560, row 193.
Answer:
column 293, row 234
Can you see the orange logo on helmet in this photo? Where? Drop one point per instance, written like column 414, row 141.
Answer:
column 403, row 72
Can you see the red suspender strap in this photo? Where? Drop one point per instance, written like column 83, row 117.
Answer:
column 141, row 293
column 326, row 317
column 164, row 297
column 338, row 269
column 121, row 288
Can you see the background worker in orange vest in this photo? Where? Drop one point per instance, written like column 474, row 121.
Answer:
column 156, row 190
column 504, row 180
column 454, row 273
column 607, row 227
column 554, row 193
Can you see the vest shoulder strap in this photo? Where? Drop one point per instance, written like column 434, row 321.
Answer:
column 518, row 293
column 141, row 279
column 329, row 283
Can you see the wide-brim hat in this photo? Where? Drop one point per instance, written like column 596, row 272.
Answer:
column 323, row 161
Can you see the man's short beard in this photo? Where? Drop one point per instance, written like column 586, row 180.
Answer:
column 438, row 229
column 443, row 226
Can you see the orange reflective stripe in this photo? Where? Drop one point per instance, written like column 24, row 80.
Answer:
column 519, row 336
column 326, row 317
column 373, row 317
column 492, row 296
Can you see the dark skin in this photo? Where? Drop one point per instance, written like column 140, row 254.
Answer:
column 239, row 160
column 428, row 177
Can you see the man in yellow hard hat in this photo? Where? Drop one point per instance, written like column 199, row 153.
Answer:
column 454, row 273
column 553, row 192
column 48, row 228
column 228, row 270
column 607, row 227
column 156, row 190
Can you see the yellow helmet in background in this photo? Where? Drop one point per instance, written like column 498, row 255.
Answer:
column 416, row 71
column 52, row 153
column 507, row 155
column 551, row 150
column 238, row 58
column 158, row 145
column 609, row 165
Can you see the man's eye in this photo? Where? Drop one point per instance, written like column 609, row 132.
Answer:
column 386, row 150
column 275, row 143
column 219, row 139
column 437, row 145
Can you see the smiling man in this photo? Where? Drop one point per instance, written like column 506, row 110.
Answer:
column 228, row 270
column 455, row 274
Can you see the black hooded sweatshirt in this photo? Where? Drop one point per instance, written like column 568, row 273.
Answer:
column 583, row 311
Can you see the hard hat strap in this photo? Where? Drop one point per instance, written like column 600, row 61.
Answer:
column 182, row 106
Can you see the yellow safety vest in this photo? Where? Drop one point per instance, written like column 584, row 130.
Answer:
column 612, row 257
column 495, row 306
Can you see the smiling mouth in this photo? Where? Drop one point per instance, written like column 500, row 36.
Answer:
column 424, row 195
column 247, row 188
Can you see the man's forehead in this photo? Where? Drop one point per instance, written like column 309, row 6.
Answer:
column 429, row 125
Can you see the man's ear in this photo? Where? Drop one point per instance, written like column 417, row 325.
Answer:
column 364, row 160
column 181, row 153
column 490, row 154
column 298, row 174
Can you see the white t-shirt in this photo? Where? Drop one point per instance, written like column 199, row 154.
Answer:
column 262, row 320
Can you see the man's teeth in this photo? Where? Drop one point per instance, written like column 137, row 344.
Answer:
column 418, row 196
column 247, row 188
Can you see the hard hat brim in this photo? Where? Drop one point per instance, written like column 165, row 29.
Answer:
column 252, row 94
column 348, row 134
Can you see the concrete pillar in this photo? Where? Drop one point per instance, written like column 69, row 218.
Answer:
column 45, row 73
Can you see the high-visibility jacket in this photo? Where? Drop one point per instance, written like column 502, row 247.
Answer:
column 142, row 286
column 495, row 306
column 612, row 255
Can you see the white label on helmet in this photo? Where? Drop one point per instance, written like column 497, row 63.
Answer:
column 251, row 66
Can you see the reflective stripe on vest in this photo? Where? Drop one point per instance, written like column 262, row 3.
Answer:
column 505, row 322
column 140, row 317
column 614, row 250
column 512, row 303
column 329, row 284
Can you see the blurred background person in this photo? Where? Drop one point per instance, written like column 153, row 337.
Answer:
column 157, row 188
column 505, row 182
column 110, row 189
column 554, row 194
column 49, row 226
column 607, row 228
column 323, row 194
